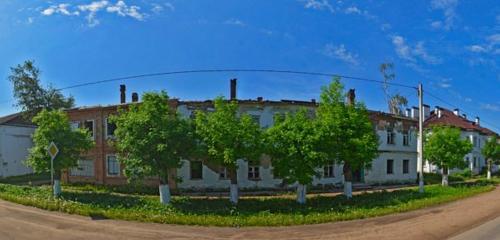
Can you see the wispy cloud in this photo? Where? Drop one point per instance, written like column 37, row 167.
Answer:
column 491, row 45
column 158, row 8
column 318, row 5
column 444, row 83
column 339, row 52
column 412, row 54
column 235, row 21
column 91, row 9
column 490, row 107
column 448, row 7
column 60, row 9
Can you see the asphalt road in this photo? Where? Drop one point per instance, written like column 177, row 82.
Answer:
column 487, row 231
column 479, row 213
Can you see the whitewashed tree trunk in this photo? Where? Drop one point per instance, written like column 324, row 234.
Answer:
column 233, row 193
column 348, row 189
column 445, row 180
column 57, row 188
column 301, row 193
column 488, row 174
column 164, row 193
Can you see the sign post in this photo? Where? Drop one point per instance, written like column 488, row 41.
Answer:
column 53, row 151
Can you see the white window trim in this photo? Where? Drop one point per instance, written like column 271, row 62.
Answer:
column 107, row 167
column 403, row 166
column 112, row 137
column 333, row 171
column 254, row 167
column 93, row 127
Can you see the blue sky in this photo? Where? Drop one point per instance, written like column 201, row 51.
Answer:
column 451, row 46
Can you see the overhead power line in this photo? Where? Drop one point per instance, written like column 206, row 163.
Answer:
column 234, row 70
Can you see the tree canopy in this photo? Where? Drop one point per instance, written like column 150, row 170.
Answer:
column 54, row 126
column 31, row 97
column 151, row 137
column 491, row 150
column 294, row 144
column 444, row 147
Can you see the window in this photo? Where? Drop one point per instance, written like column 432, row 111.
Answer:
column 74, row 125
column 328, row 171
column 390, row 136
column 84, row 168
column 406, row 166
column 406, row 138
column 223, row 173
column 89, row 125
column 474, row 164
column 112, row 166
column 110, row 129
column 253, row 172
column 196, row 170
column 390, row 166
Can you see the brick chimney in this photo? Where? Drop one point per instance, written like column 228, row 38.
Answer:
column 233, row 89
column 135, row 97
column 351, row 97
column 123, row 97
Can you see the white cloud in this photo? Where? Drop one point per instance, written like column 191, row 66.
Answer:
column 352, row 10
column 476, row 48
column 234, row 21
column 91, row 9
column 339, row 52
column 60, row 9
column 123, row 10
column 406, row 52
column 491, row 45
column 491, row 107
column 444, row 83
column 448, row 7
column 402, row 49
column 158, row 8
column 318, row 5
column 420, row 51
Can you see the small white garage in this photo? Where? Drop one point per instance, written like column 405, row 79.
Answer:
column 15, row 142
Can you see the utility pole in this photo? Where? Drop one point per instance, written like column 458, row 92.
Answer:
column 420, row 144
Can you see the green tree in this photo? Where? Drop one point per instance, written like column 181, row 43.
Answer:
column 229, row 136
column 31, row 97
column 349, row 137
column 152, row 139
column 491, row 152
column 444, row 148
column 294, row 145
column 54, row 126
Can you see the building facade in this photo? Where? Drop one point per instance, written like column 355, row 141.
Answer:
column 396, row 162
column 470, row 129
column 15, row 141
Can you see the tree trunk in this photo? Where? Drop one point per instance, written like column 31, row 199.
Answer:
column 301, row 193
column 233, row 189
column 347, row 180
column 444, row 181
column 164, row 190
column 56, row 188
column 488, row 174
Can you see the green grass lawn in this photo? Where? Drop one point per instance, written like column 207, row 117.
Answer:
column 251, row 211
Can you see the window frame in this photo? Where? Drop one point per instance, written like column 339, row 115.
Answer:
column 406, row 138
column 191, row 170
column 387, row 167
column 406, row 166
column 223, row 171
column 391, row 135
column 330, row 171
column 93, row 127
column 107, row 166
column 255, row 172
column 112, row 137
